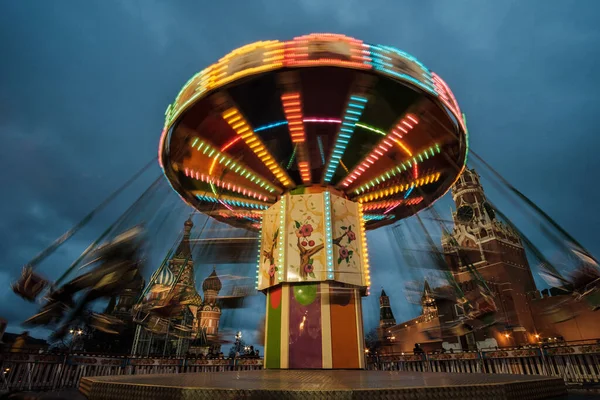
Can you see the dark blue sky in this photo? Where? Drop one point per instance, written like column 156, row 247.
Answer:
column 84, row 86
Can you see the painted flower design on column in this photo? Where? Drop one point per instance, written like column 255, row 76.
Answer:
column 269, row 256
column 307, row 248
column 345, row 253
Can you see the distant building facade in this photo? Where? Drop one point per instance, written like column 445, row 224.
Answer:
column 488, row 261
column 194, row 327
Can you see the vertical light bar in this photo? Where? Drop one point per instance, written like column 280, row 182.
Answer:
column 281, row 240
column 352, row 114
column 242, row 128
column 260, row 238
column 405, row 125
column 328, row 235
column 363, row 239
column 292, row 108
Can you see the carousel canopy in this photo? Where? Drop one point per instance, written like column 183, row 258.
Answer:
column 366, row 121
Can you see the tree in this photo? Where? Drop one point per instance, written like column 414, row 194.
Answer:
column 372, row 341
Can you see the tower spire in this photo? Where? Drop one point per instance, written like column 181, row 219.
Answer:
column 183, row 250
column 386, row 316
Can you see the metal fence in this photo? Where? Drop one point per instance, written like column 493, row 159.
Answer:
column 20, row 371
column 576, row 364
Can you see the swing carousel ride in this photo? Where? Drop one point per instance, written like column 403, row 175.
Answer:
column 304, row 146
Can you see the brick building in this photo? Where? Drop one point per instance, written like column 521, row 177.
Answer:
column 503, row 306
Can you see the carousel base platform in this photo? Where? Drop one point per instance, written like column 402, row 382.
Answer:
column 322, row 384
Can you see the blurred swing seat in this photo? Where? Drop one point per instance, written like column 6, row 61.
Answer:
column 29, row 285
column 106, row 323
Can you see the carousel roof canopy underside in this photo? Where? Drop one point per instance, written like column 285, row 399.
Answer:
column 392, row 139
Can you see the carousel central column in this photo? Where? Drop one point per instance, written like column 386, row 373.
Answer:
column 313, row 266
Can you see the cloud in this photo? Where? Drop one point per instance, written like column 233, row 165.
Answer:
column 83, row 93
column 343, row 12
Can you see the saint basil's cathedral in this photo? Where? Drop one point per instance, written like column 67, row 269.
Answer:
column 188, row 323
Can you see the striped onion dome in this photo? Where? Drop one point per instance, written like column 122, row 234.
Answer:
column 165, row 277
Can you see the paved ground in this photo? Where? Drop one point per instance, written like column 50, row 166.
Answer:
column 71, row 394
column 327, row 384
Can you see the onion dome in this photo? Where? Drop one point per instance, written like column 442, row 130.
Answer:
column 165, row 277
column 212, row 282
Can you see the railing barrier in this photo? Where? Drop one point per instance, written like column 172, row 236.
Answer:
column 576, row 364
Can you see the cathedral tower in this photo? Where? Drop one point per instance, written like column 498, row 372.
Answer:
column 386, row 316
column 481, row 244
column 210, row 312
column 428, row 303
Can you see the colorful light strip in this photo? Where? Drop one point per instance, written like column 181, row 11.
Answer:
column 387, row 204
column 308, row 50
column 292, row 158
column 328, row 235
column 323, row 120
column 354, row 110
column 270, row 126
column 234, row 166
column 405, row 125
column 321, row 150
column 241, row 127
column 447, row 97
column 230, row 143
column 399, row 188
column 370, row 128
column 239, row 214
column 247, row 60
column 399, row 169
column 376, row 217
column 305, row 120
column 292, row 108
column 400, row 64
column 259, row 255
column 304, row 168
column 163, row 135
column 466, row 139
column 232, row 201
column 281, row 239
column 365, row 250
column 222, row 184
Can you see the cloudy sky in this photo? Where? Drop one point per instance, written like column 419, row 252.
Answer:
column 84, row 86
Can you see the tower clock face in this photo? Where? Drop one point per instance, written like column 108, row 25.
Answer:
column 465, row 213
column 489, row 210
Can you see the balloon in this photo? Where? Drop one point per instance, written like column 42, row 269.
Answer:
column 305, row 294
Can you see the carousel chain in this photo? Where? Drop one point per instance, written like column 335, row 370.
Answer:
column 547, row 265
column 67, row 235
column 114, row 226
column 30, row 285
column 535, row 207
column 156, row 274
column 165, row 259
